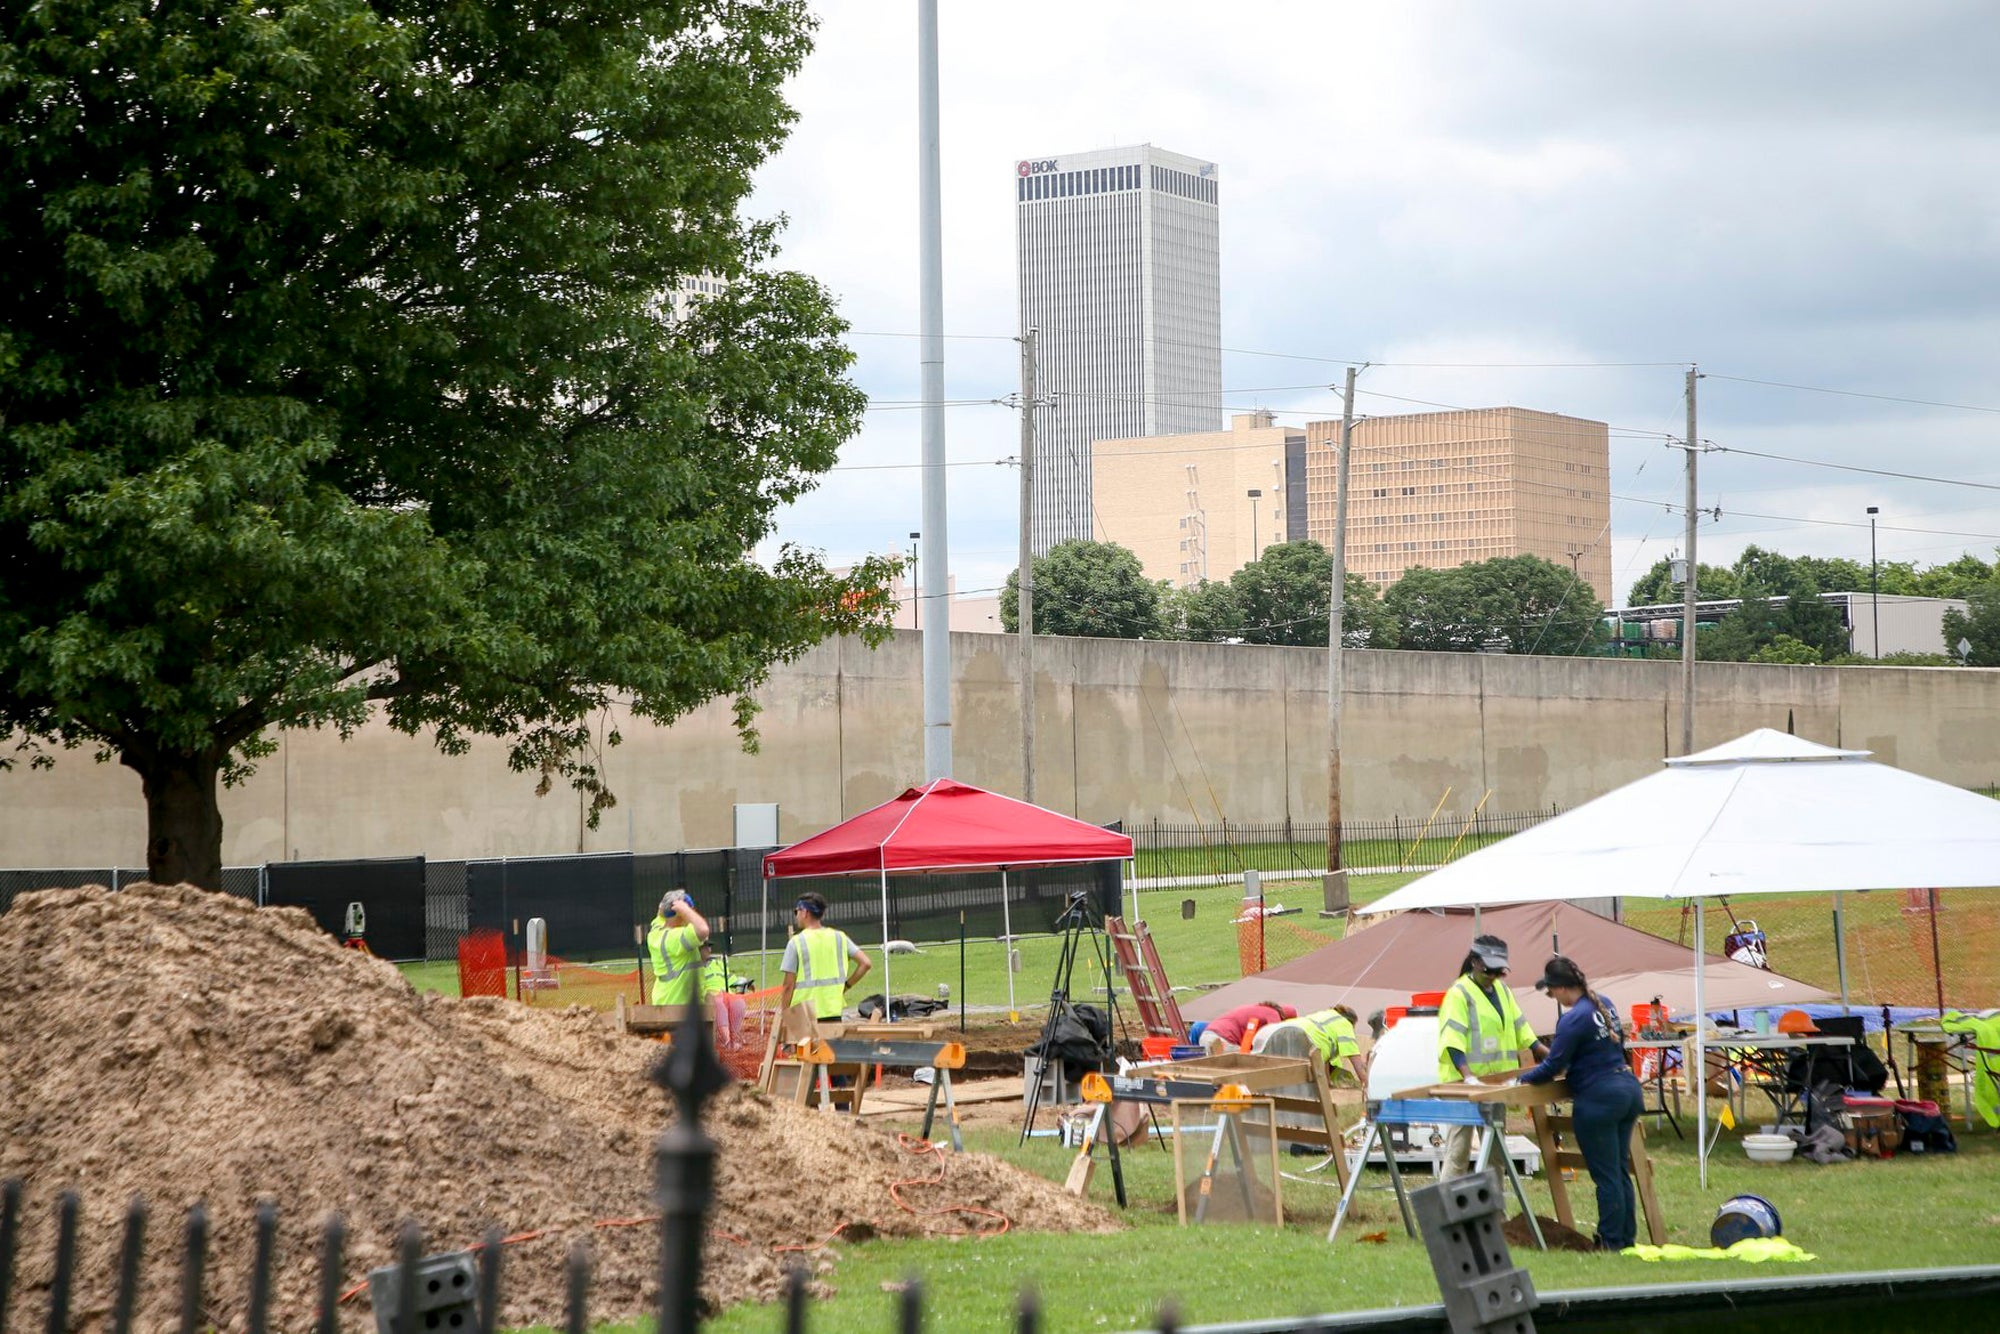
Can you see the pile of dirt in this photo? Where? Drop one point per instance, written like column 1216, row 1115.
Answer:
column 1559, row 1238
column 187, row 1046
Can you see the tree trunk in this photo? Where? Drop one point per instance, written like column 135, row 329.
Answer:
column 183, row 818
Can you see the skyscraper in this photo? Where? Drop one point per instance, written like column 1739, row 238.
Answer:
column 1120, row 275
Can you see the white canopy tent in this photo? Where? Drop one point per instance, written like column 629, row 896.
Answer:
column 1767, row 813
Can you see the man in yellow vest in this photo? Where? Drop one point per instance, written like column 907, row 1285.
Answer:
column 816, row 959
column 1480, row 1032
column 674, row 940
column 1328, row 1034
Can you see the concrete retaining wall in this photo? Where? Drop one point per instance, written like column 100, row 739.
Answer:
column 1126, row 730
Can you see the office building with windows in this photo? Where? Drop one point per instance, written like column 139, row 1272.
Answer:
column 1439, row 489
column 1120, row 275
column 1199, row 507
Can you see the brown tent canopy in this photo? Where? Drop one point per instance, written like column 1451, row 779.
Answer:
column 1382, row 965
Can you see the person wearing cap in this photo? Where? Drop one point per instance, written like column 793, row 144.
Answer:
column 816, row 960
column 1589, row 1046
column 1480, row 1032
column 729, row 1007
column 1226, row 1031
column 674, row 940
column 1328, row 1034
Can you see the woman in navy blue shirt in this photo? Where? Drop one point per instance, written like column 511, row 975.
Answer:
column 1589, row 1045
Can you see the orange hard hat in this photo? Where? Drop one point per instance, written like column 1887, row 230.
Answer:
column 1796, row 1022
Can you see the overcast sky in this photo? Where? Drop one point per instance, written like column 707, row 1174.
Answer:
column 1797, row 193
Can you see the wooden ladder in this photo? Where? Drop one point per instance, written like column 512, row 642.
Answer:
column 1147, row 977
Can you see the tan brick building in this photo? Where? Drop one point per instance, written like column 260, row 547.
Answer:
column 1201, row 506
column 1439, row 489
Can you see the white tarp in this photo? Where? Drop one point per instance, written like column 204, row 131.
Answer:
column 1767, row 813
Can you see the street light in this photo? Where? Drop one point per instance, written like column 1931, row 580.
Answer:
column 1874, row 583
column 1256, row 494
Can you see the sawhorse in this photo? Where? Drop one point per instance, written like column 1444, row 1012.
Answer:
column 857, row 1048
column 1433, row 1111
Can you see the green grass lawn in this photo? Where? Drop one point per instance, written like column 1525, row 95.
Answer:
column 1908, row 1212
column 1228, row 857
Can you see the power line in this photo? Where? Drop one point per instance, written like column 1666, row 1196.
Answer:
column 1850, row 393
column 1852, row 467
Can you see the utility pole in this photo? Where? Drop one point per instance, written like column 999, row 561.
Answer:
column 1688, row 587
column 1024, row 591
column 1333, row 894
column 1874, row 583
column 930, row 265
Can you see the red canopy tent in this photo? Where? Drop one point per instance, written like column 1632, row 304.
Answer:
column 946, row 826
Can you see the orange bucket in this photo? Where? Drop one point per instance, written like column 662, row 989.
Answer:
column 1392, row 1014
column 1426, row 1000
column 1156, row 1049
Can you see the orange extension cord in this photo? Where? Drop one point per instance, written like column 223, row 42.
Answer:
column 909, row 1143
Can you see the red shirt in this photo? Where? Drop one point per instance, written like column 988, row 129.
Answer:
column 1230, row 1027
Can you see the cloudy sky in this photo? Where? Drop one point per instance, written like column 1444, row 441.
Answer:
column 1555, row 205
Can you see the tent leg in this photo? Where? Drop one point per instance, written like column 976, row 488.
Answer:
column 764, row 944
column 888, row 993
column 1700, row 1073
column 1007, row 947
column 1840, row 949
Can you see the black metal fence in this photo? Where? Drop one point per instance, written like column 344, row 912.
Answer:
column 418, row 909
column 1225, row 849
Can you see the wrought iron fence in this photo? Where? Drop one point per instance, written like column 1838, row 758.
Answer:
column 1167, row 854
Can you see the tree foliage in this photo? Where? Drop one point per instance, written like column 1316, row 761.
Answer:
column 1978, row 625
column 1759, row 623
column 1093, row 589
column 334, row 372
column 1658, row 585
column 1281, row 598
column 1525, row 603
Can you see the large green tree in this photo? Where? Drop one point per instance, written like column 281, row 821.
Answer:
column 1522, row 603
column 334, row 373
column 1281, row 598
column 1094, row 589
column 1978, row 626
column 1658, row 585
column 1759, row 623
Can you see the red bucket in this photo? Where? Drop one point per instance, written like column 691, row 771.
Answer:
column 1392, row 1014
column 1156, row 1049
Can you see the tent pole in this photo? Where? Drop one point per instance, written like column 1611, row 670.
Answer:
column 764, row 943
column 1007, row 947
column 1700, row 1073
column 888, row 994
column 1840, row 949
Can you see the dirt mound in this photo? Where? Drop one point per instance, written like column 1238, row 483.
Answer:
column 184, row 1045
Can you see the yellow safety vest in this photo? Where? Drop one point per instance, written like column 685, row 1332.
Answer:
column 676, row 952
column 822, row 976
column 1985, row 1076
column 1489, row 1030
column 714, row 980
column 1331, row 1035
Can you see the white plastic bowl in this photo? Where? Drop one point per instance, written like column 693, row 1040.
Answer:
column 1770, row 1148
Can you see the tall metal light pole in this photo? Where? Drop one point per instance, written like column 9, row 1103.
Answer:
column 1024, row 606
column 930, row 265
column 1334, row 898
column 1874, row 583
column 1256, row 494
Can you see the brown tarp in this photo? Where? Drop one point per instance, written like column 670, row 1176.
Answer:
column 1380, row 965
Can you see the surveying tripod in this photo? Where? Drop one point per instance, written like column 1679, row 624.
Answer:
column 1077, row 926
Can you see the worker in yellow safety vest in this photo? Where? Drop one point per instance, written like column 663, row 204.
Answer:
column 1328, row 1034
column 816, row 959
column 1480, row 1032
column 674, row 941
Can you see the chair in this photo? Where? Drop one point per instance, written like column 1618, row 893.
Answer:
column 1853, row 1066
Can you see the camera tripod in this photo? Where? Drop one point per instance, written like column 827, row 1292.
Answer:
column 1077, row 926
